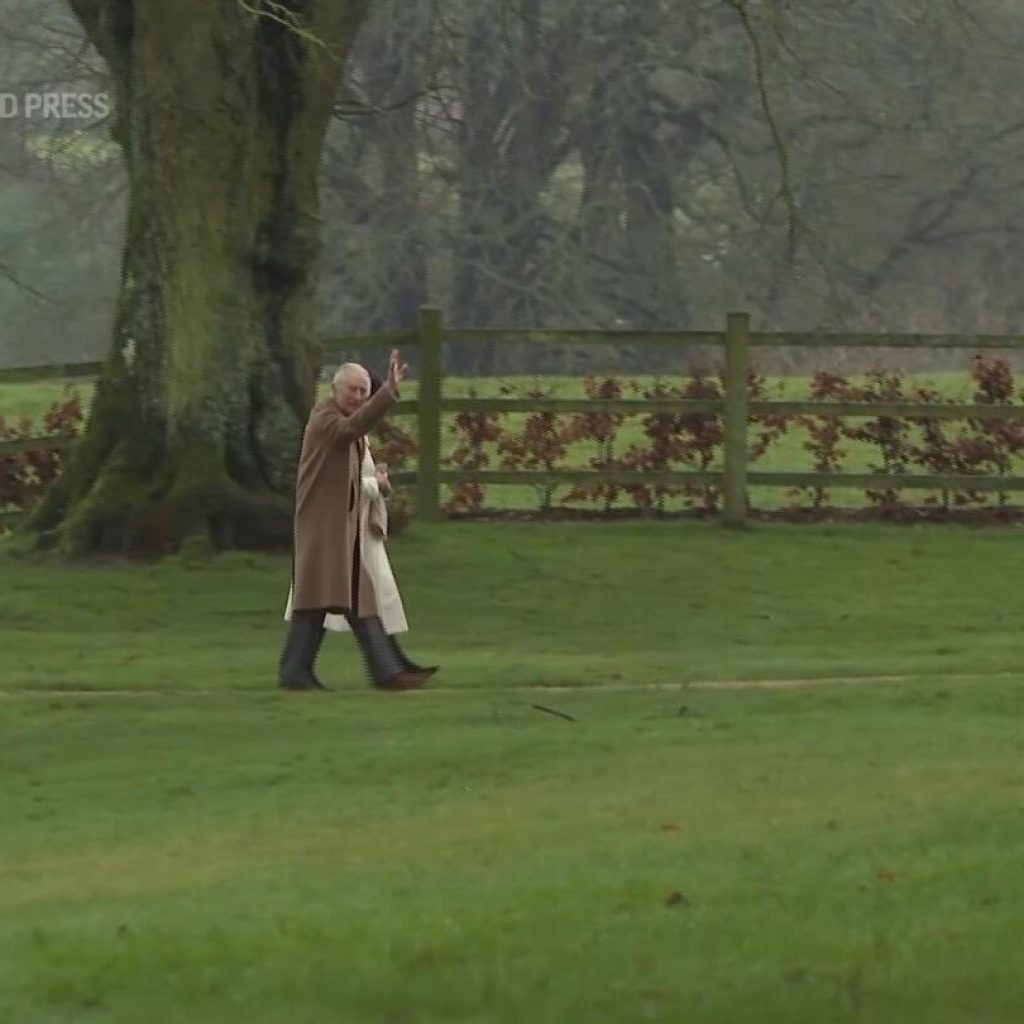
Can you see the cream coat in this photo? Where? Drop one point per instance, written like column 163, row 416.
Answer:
column 373, row 529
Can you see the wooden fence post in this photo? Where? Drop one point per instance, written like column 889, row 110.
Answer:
column 430, row 332
column 737, row 369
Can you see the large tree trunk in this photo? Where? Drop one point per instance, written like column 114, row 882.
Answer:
column 221, row 111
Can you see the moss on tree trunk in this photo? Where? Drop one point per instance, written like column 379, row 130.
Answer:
column 221, row 110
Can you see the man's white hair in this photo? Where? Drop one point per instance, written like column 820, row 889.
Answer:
column 346, row 370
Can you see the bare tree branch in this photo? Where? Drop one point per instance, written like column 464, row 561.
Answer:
column 785, row 185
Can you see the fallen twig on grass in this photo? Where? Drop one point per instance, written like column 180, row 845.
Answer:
column 552, row 711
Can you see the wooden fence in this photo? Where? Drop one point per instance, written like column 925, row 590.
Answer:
column 737, row 342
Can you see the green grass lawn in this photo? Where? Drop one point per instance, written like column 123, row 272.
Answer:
column 517, row 604
column 182, row 842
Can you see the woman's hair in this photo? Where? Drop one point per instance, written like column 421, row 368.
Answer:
column 375, row 383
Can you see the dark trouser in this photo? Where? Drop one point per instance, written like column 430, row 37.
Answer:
column 301, row 646
column 305, row 635
column 381, row 654
column 386, row 665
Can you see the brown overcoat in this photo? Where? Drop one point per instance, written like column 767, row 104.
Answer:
column 328, row 493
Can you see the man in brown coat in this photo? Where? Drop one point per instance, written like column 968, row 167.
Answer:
column 326, row 573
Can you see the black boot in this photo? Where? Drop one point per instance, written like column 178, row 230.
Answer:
column 305, row 634
column 407, row 664
column 316, row 652
column 383, row 665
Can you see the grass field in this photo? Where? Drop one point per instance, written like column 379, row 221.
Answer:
column 181, row 842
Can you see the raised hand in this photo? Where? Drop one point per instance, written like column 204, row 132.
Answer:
column 396, row 370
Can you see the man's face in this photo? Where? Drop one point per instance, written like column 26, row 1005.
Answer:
column 351, row 391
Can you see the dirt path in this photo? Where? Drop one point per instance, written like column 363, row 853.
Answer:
column 708, row 684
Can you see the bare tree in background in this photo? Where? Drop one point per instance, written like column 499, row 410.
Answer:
column 611, row 164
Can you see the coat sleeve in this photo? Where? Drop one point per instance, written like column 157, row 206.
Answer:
column 376, row 507
column 341, row 430
column 371, row 489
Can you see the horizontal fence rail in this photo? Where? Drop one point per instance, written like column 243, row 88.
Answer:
column 638, row 406
column 942, row 341
column 860, row 481
column 568, row 476
column 889, row 481
column 48, row 442
column 738, row 413
column 491, row 336
column 777, row 339
column 381, row 339
column 54, row 371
